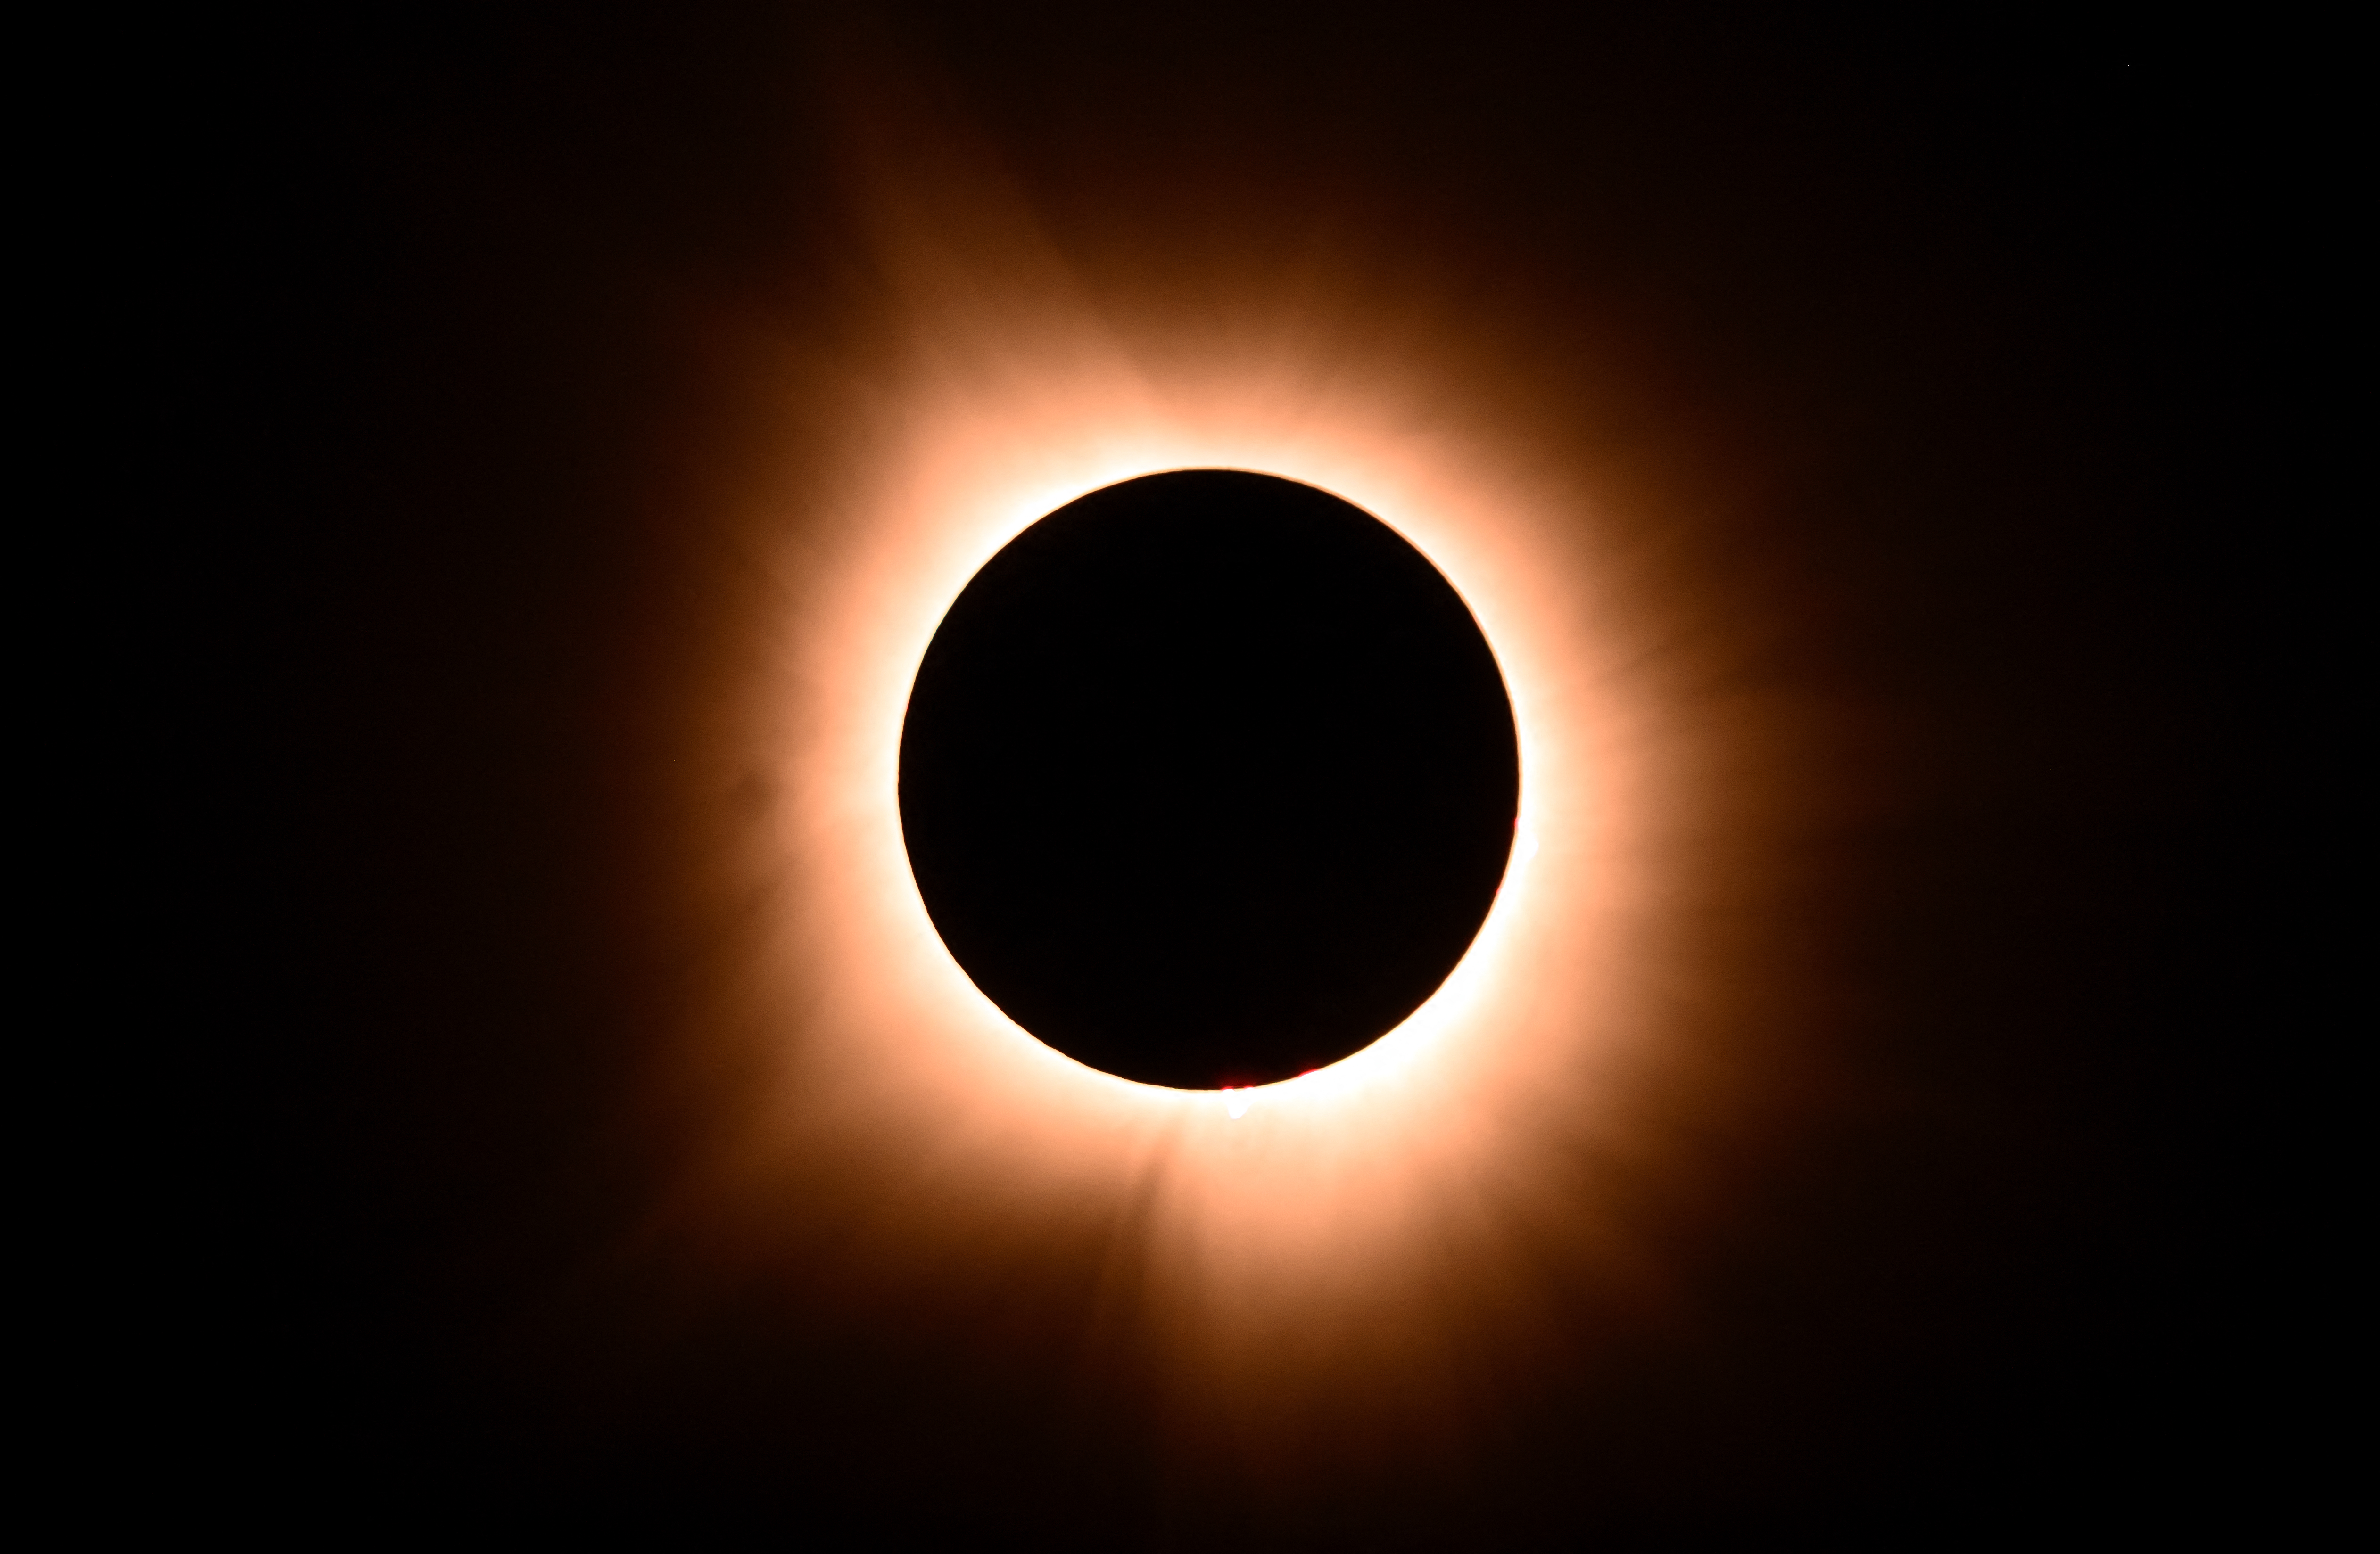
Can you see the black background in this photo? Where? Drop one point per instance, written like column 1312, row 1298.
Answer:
column 1955, row 294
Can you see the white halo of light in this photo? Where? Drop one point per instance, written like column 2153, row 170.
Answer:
column 1388, row 1198
column 1329, row 1166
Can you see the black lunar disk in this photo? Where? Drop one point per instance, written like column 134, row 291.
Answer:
column 1209, row 778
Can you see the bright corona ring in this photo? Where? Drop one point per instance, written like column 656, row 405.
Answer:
column 1323, row 1035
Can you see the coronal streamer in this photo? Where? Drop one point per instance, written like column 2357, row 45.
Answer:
column 1382, row 1223
column 1818, row 425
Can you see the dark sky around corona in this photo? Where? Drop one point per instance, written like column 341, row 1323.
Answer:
column 1905, row 324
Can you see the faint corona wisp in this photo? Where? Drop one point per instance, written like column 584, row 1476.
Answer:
column 992, row 386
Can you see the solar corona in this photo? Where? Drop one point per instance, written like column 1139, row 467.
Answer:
column 1217, row 803
column 1180, row 777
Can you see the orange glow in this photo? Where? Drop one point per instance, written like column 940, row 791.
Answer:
column 1268, row 1244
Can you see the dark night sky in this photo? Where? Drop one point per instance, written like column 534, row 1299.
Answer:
column 1923, row 310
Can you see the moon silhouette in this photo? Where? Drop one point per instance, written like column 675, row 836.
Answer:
column 1209, row 778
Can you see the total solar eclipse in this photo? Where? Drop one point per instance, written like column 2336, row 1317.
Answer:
column 1209, row 778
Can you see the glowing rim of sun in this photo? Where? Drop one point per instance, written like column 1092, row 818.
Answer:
column 981, row 457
